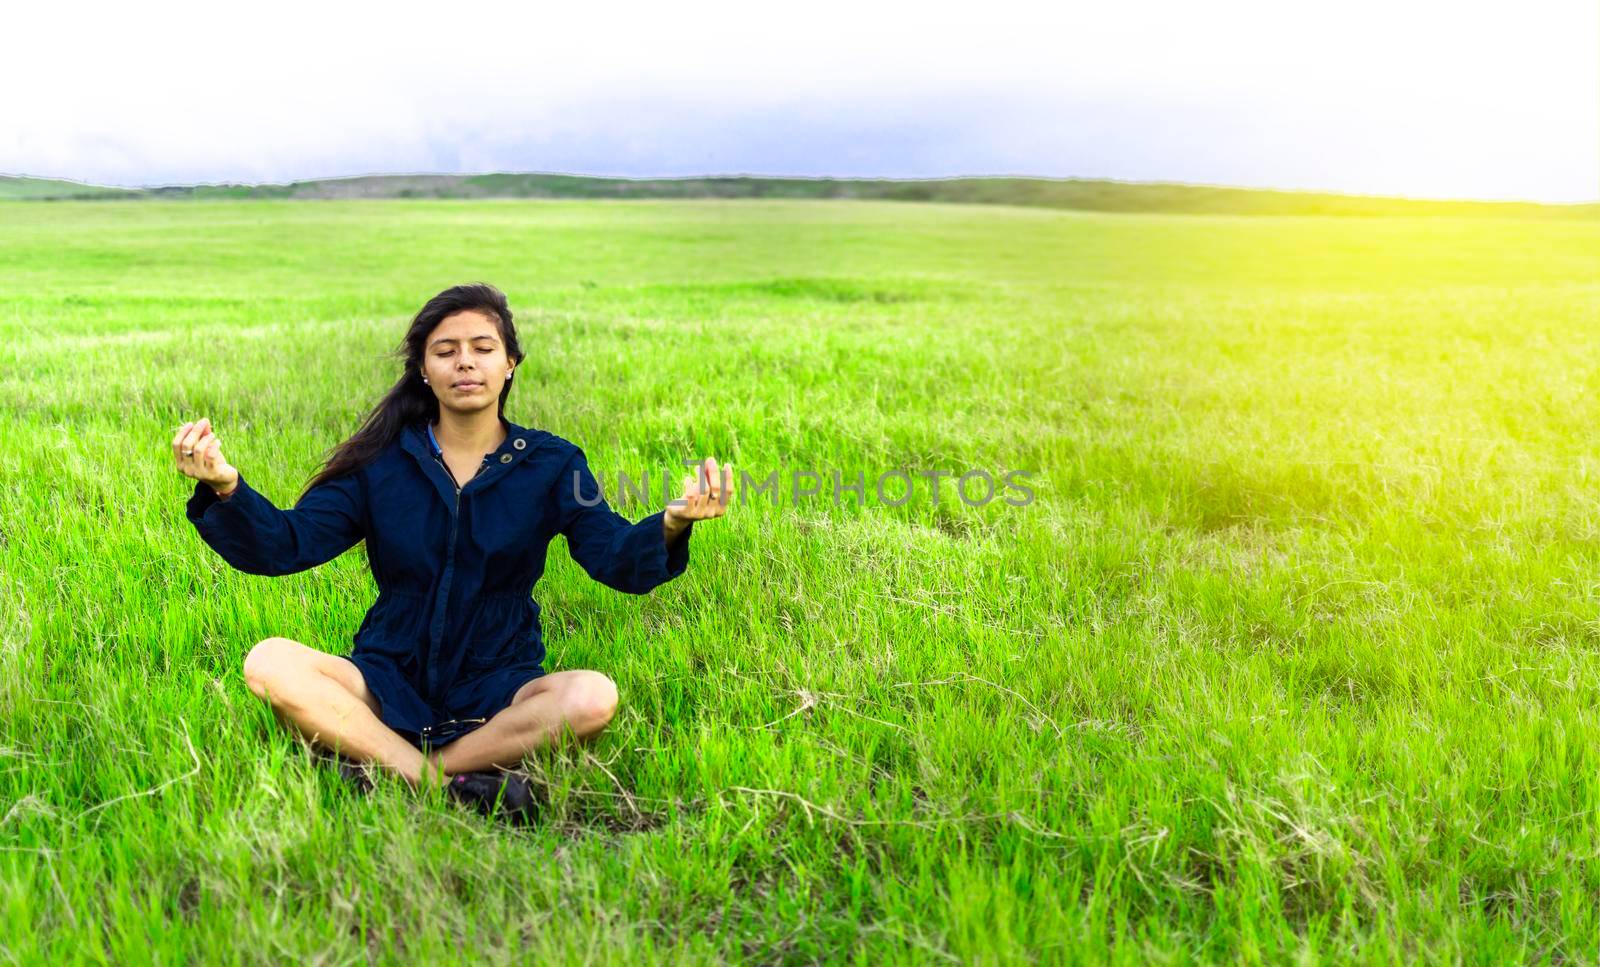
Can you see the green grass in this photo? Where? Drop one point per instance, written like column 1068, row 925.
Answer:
column 1296, row 655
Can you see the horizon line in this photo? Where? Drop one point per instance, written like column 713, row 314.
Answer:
column 792, row 177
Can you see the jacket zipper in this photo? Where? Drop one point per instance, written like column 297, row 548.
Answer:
column 450, row 554
column 440, row 459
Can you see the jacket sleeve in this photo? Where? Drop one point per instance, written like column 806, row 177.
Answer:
column 258, row 538
column 633, row 558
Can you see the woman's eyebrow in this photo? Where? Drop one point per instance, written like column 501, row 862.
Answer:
column 445, row 339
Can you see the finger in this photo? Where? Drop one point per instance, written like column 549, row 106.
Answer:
column 196, row 431
column 213, row 453
column 726, row 473
column 199, row 450
column 714, row 477
column 177, row 443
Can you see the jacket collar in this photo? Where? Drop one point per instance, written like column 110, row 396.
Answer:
column 520, row 441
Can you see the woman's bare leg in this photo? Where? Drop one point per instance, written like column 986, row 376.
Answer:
column 326, row 699
column 582, row 701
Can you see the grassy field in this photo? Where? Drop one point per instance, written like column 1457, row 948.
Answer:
column 1296, row 655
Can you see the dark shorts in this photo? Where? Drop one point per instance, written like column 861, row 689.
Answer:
column 475, row 702
column 438, row 736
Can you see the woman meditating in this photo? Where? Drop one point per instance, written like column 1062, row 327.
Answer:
column 444, row 683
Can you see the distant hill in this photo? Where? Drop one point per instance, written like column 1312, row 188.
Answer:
column 51, row 188
column 1067, row 193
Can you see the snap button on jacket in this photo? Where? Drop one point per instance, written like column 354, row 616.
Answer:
column 454, row 631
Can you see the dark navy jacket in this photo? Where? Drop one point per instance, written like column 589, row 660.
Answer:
column 454, row 631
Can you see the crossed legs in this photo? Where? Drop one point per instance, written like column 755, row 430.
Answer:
column 325, row 699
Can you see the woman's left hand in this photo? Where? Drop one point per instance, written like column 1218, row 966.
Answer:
column 705, row 495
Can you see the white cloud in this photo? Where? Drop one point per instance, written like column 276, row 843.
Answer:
column 1420, row 98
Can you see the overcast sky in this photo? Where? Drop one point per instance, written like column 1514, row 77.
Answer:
column 1410, row 97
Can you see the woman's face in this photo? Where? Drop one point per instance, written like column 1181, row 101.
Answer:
column 465, row 362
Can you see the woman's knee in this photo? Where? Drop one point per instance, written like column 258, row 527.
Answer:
column 268, row 663
column 591, row 702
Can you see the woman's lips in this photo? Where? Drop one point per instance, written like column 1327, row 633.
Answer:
column 468, row 387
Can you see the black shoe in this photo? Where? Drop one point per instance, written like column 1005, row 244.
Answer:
column 351, row 771
column 356, row 774
column 503, row 794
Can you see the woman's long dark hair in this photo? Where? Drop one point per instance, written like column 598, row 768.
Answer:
column 410, row 399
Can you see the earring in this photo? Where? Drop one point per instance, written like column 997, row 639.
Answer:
column 508, row 374
column 424, row 379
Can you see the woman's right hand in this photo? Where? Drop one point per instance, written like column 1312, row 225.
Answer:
column 198, row 453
